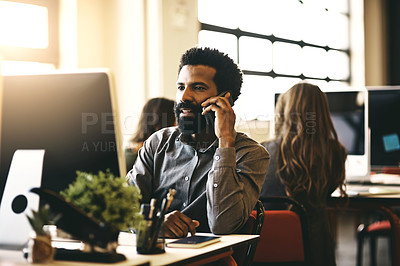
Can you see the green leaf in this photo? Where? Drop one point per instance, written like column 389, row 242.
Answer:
column 106, row 197
column 40, row 218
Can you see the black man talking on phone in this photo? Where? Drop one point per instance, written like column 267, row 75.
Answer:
column 217, row 172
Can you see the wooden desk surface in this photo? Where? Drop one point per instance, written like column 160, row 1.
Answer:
column 127, row 246
column 368, row 196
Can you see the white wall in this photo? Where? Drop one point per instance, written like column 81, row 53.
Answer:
column 179, row 33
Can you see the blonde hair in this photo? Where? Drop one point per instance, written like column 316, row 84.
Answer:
column 310, row 158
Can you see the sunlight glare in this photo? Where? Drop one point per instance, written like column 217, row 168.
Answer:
column 23, row 25
column 22, row 67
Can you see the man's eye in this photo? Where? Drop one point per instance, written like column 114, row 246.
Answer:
column 199, row 88
column 181, row 88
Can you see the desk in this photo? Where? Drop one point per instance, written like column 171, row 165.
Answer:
column 379, row 197
column 127, row 246
column 368, row 196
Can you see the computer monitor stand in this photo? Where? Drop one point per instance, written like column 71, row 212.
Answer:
column 25, row 173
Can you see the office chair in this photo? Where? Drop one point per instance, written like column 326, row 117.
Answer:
column 284, row 235
column 240, row 256
column 371, row 231
column 253, row 226
column 389, row 228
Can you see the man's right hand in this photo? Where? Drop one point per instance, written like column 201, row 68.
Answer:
column 177, row 225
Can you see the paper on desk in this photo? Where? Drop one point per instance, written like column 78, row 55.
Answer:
column 367, row 190
column 385, row 179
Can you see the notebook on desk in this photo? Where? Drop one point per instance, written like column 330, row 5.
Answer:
column 17, row 202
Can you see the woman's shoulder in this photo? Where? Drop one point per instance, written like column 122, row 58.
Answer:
column 271, row 145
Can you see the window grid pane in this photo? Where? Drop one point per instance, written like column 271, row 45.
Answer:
column 288, row 20
column 23, row 25
column 226, row 43
column 256, row 16
column 315, row 62
column 284, row 53
column 255, row 54
column 29, row 35
column 222, row 13
column 279, row 42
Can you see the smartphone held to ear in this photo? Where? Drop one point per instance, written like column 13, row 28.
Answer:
column 209, row 116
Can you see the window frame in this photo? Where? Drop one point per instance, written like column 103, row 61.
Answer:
column 49, row 55
column 240, row 33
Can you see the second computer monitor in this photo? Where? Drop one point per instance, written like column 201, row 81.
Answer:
column 384, row 123
column 349, row 112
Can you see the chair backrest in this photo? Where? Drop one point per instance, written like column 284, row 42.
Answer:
column 395, row 233
column 253, row 226
column 284, row 234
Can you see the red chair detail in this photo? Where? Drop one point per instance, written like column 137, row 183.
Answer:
column 284, row 235
column 373, row 231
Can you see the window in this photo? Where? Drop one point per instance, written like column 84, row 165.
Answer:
column 278, row 43
column 28, row 36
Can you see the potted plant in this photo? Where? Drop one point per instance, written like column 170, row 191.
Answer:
column 39, row 246
column 107, row 198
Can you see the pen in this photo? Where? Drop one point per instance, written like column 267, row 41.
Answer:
column 166, row 202
column 152, row 207
column 170, row 197
column 144, row 209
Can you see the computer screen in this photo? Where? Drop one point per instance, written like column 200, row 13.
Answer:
column 349, row 116
column 70, row 115
column 347, row 110
column 384, row 124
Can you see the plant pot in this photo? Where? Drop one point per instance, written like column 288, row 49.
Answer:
column 40, row 249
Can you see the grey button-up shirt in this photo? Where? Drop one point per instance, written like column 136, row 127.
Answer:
column 218, row 187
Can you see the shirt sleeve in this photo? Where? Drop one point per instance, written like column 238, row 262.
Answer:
column 141, row 174
column 234, row 185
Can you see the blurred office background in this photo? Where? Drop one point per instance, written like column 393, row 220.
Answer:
column 332, row 43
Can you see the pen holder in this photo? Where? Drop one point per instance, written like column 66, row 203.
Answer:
column 150, row 237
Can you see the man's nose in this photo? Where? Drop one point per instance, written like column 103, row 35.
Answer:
column 186, row 95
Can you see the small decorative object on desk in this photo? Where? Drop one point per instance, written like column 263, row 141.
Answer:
column 94, row 209
column 147, row 241
column 106, row 197
column 150, row 234
column 40, row 249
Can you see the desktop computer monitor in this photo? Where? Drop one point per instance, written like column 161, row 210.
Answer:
column 348, row 108
column 384, row 110
column 72, row 116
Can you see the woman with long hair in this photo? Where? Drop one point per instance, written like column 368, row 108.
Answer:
column 156, row 114
column 307, row 162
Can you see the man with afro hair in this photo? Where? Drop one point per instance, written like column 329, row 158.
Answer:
column 217, row 172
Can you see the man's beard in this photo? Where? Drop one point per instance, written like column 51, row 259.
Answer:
column 190, row 125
